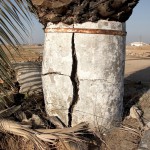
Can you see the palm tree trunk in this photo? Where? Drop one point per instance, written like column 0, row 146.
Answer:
column 83, row 72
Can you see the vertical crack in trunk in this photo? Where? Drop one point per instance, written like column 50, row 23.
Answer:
column 75, row 82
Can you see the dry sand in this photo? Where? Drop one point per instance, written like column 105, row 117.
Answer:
column 138, row 63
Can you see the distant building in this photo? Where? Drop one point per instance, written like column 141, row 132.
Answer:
column 138, row 44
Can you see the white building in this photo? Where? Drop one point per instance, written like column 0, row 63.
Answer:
column 138, row 44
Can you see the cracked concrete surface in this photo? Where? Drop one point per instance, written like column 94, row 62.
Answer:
column 56, row 71
column 94, row 61
column 72, row 100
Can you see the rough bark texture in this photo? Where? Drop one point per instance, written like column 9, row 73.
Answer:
column 88, row 85
column 80, row 11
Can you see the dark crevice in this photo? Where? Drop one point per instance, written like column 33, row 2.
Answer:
column 54, row 73
column 75, row 82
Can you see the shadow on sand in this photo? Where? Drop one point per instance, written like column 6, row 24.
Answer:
column 141, row 75
column 136, row 85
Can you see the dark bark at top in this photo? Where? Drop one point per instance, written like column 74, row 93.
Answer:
column 79, row 11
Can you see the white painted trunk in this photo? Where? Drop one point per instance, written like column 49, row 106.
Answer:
column 83, row 74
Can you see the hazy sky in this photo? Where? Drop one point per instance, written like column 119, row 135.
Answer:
column 138, row 26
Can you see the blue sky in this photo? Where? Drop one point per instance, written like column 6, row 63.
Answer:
column 138, row 25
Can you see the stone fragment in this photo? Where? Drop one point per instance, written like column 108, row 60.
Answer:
column 145, row 141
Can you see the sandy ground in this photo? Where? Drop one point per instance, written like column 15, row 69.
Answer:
column 138, row 63
column 137, row 69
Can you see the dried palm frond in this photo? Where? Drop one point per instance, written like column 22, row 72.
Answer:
column 42, row 136
column 7, row 126
column 13, row 31
column 12, row 24
column 9, row 111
